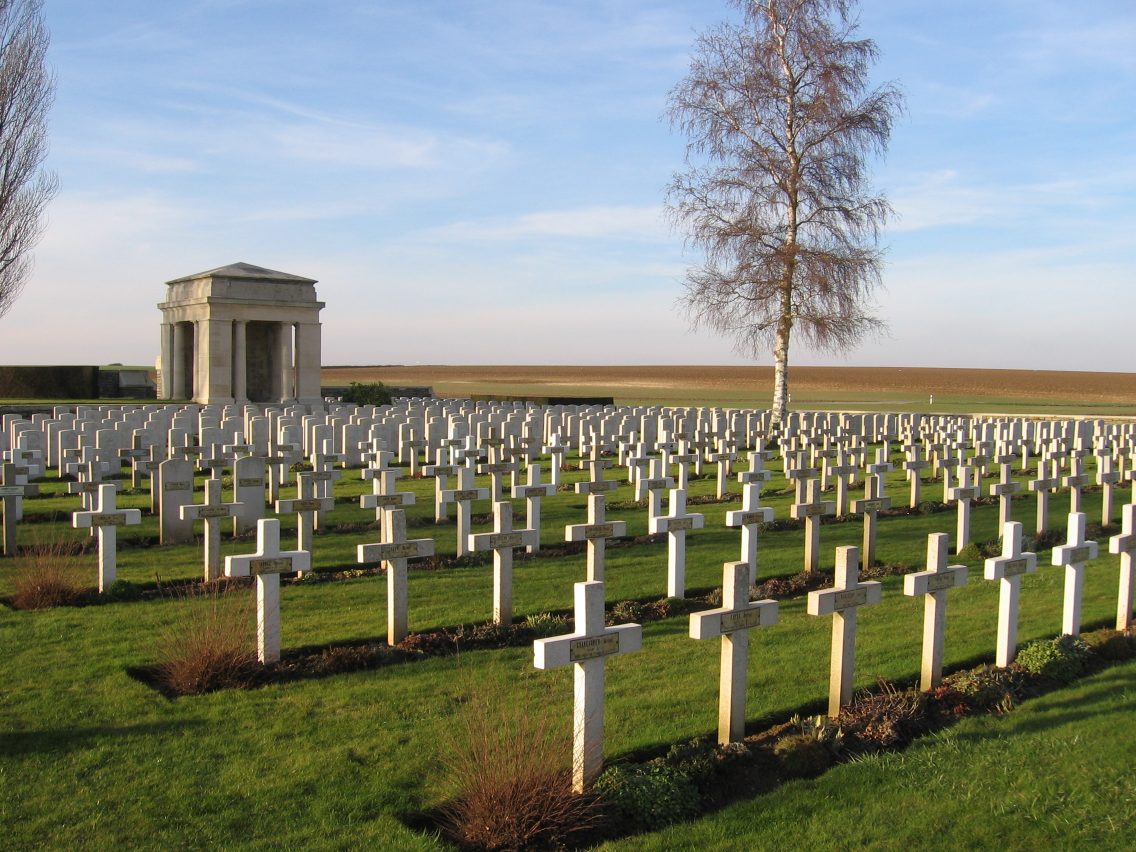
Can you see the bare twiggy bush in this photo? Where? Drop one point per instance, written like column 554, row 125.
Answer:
column 48, row 573
column 211, row 644
column 510, row 780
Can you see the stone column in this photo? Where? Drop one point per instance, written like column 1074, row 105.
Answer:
column 240, row 362
column 213, row 385
column 287, row 370
column 167, row 346
column 308, row 357
column 177, row 363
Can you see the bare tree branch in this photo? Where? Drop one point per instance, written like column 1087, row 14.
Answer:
column 26, row 94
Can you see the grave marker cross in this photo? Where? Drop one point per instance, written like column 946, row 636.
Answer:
column 842, row 602
column 267, row 564
column 502, row 541
column 595, row 532
column 1073, row 555
column 587, row 649
column 812, row 510
column 1124, row 544
column 10, row 494
column 211, row 512
column 733, row 621
column 750, row 519
column 107, row 518
column 675, row 524
column 394, row 550
column 1009, row 568
column 933, row 584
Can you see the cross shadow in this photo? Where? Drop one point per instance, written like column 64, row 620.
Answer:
column 57, row 740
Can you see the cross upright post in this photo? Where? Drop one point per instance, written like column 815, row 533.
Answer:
column 212, row 511
column 675, row 524
column 595, row 532
column 812, row 511
column 305, row 506
column 963, row 494
column 463, row 496
column 533, row 493
column 1124, row 544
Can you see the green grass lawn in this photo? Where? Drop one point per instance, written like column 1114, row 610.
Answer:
column 91, row 758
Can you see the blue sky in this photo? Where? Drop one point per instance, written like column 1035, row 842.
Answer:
column 481, row 181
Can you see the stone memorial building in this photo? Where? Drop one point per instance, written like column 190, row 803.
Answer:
column 240, row 333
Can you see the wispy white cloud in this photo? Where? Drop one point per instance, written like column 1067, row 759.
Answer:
column 605, row 223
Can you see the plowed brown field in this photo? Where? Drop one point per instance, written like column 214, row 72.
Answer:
column 850, row 387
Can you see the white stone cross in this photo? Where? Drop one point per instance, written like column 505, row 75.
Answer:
column 1041, row 486
column 724, row 458
column 463, row 496
column 1107, row 477
column 933, row 585
column 556, row 451
column 10, row 494
column 595, row 532
column 675, row 524
column 441, row 473
column 211, row 511
column 497, row 471
column 1124, row 544
column 914, row 466
column 1005, row 489
column 597, row 484
column 733, row 621
column 533, row 493
column 750, row 519
column 586, row 649
column 385, row 496
column 1075, row 481
column 842, row 601
column 394, row 550
column 964, row 493
column 305, row 506
column 267, row 564
column 874, row 500
column 1073, row 555
column 107, row 518
column 1009, row 568
column 812, row 511
column 654, row 486
column 844, row 472
column 502, row 541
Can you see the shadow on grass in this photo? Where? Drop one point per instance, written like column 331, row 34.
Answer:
column 57, row 740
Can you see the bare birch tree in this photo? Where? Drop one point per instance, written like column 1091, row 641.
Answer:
column 779, row 122
column 26, row 94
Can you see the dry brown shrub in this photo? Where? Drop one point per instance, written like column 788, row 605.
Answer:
column 211, row 644
column 48, row 573
column 510, row 782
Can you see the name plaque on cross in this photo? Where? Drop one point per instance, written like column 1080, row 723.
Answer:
column 527, row 491
column 11, row 491
column 1079, row 554
column 467, row 494
column 1016, row 567
column 676, row 524
column 969, row 493
column 811, row 510
column 592, row 647
column 942, row 582
column 741, row 620
column 744, row 518
column 176, row 486
column 313, row 504
column 109, row 519
column 873, row 505
column 250, row 483
column 844, row 600
column 270, row 566
column 599, row 531
column 509, row 539
column 386, row 501
column 213, row 512
column 396, row 550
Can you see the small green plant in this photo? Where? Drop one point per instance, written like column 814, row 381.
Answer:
column 625, row 612
column 546, row 624
column 988, row 687
column 649, row 795
column 810, row 746
column 375, row 393
column 122, row 590
column 1112, row 645
column 1061, row 659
